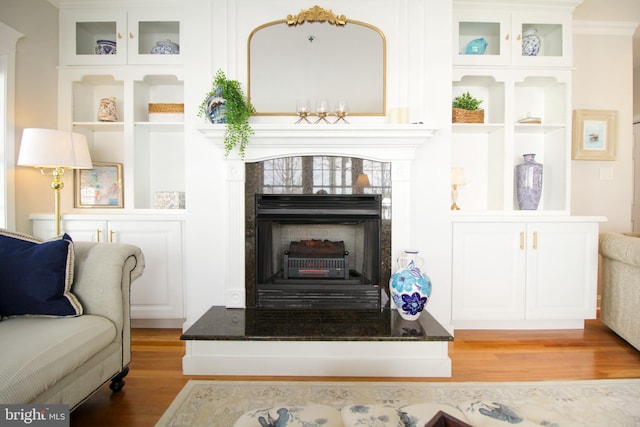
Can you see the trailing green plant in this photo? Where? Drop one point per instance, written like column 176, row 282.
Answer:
column 237, row 112
column 466, row 102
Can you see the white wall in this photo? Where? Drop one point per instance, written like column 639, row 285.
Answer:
column 36, row 95
column 604, row 80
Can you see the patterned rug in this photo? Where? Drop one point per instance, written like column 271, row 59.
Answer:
column 611, row 403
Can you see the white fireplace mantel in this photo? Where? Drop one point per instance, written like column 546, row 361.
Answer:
column 382, row 142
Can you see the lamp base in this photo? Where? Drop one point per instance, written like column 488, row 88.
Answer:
column 455, row 207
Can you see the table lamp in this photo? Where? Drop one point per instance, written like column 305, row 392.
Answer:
column 457, row 179
column 54, row 150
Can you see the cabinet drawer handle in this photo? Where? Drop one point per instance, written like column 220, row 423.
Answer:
column 535, row 240
column 98, row 235
column 130, row 35
column 522, row 240
column 110, row 236
column 506, row 37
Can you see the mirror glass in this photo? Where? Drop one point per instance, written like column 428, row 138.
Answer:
column 314, row 61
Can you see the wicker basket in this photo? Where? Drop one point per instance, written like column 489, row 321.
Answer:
column 166, row 108
column 467, row 116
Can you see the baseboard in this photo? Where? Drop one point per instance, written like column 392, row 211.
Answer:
column 157, row 323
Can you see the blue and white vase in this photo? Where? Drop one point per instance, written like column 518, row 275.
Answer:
column 530, row 42
column 529, row 182
column 410, row 288
column 215, row 107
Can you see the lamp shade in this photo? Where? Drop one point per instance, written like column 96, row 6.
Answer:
column 52, row 148
column 457, row 176
column 362, row 181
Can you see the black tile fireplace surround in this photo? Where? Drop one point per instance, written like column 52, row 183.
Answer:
column 348, row 279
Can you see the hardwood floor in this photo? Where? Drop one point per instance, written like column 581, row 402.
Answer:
column 155, row 376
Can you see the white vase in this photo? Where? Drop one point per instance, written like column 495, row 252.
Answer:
column 531, row 42
column 409, row 287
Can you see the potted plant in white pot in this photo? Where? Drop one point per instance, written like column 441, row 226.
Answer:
column 226, row 103
column 466, row 109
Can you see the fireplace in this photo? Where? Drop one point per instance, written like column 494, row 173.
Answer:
column 318, row 251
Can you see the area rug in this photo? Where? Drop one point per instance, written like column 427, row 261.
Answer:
column 610, row 403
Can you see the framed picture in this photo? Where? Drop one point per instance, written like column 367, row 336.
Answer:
column 100, row 186
column 594, row 134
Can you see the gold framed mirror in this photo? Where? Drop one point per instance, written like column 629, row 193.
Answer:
column 317, row 56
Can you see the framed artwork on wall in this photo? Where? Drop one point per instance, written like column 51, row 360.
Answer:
column 594, row 134
column 99, row 187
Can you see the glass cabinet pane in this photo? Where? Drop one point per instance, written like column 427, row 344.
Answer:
column 96, row 38
column 479, row 38
column 158, row 37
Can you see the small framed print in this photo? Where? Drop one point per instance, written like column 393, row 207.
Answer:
column 100, row 186
column 594, row 134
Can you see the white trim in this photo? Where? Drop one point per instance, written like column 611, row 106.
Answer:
column 8, row 40
column 318, row 358
column 604, row 28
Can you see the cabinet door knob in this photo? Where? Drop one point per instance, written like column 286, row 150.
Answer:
column 522, row 240
column 119, row 35
column 507, row 36
column 519, row 37
column 130, row 35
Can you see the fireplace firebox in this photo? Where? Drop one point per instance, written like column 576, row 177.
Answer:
column 318, row 251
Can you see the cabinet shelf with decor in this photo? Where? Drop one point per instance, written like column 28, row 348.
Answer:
column 526, row 111
column 150, row 148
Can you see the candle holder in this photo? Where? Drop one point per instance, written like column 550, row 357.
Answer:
column 341, row 111
column 322, row 110
column 302, row 109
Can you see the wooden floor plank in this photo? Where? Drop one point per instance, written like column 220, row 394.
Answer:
column 155, row 376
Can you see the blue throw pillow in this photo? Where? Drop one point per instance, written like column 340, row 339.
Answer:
column 36, row 276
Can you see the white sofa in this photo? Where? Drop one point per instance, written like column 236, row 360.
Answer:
column 65, row 359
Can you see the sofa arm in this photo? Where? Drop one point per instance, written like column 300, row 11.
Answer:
column 621, row 247
column 103, row 273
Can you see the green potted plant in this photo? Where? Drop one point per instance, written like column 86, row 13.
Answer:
column 226, row 103
column 466, row 109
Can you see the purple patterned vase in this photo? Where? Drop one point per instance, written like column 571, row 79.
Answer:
column 529, row 183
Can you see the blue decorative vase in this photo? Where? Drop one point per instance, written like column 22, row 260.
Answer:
column 476, row 47
column 529, row 183
column 215, row 107
column 531, row 42
column 410, row 288
column 105, row 47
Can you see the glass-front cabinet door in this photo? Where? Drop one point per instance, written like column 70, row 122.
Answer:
column 93, row 37
column 481, row 39
column 154, row 36
column 540, row 40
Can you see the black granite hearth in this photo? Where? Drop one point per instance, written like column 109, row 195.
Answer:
column 258, row 324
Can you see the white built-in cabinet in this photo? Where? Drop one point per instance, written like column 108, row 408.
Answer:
column 513, row 268
column 525, row 273
column 135, row 30
column 149, row 148
column 158, row 293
